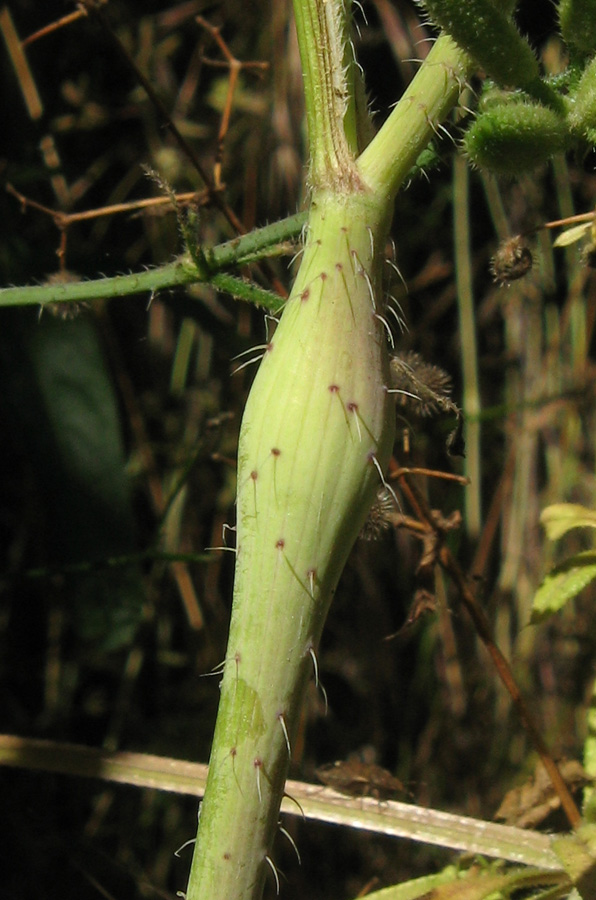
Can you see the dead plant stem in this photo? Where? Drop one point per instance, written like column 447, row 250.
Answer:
column 483, row 628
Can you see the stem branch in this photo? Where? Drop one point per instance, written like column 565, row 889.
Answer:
column 237, row 252
column 434, row 91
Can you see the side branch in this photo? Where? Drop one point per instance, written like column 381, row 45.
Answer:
column 434, row 91
column 266, row 241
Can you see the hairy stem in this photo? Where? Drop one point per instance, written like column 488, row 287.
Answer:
column 317, row 430
column 330, row 100
column 238, row 252
column 427, row 101
column 315, row 438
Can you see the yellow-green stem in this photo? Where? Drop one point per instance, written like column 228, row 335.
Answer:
column 467, row 331
column 316, row 434
column 329, row 77
column 315, row 439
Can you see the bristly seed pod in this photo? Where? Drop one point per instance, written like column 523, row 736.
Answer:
column 582, row 112
column 513, row 137
column 512, row 260
column 425, row 390
column 381, row 516
column 485, row 30
column 577, row 19
column 421, row 388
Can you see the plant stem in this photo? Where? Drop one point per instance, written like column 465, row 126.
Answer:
column 403, row 820
column 417, row 117
column 317, row 429
column 316, row 435
column 469, row 351
column 237, row 252
column 322, row 29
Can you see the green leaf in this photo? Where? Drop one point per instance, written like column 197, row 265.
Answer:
column 577, row 852
column 563, row 583
column 474, row 884
column 71, row 428
column 572, row 235
column 560, row 518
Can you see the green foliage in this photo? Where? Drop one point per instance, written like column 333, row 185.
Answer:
column 419, row 887
column 575, row 573
column 560, row 518
column 577, row 19
column 475, row 883
column 582, row 114
column 513, row 137
column 79, row 466
column 563, row 584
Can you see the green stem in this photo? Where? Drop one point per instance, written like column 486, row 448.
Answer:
column 404, row 820
column 237, row 252
column 182, row 271
column 256, row 244
column 317, row 430
column 316, row 435
column 417, row 117
column 322, row 30
column 469, row 350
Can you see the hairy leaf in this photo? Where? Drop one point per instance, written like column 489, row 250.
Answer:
column 563, row 583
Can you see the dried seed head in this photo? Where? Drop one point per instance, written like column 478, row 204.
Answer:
column 423, row 388
column 64, row 310
column 380, row 517
column 512, row 260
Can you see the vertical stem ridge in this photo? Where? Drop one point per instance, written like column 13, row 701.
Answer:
column 322, row 27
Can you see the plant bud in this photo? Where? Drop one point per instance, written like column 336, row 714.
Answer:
column 577, row 19
column 582, row 113
column 515, row 137
column 484, row 30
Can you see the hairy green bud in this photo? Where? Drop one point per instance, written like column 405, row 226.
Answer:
column 577, row 19
column 485, row 31
column 582, row 114
column 490, row 37
column 514, row 137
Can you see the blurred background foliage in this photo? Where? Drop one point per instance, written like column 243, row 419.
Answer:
column 119, row 436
